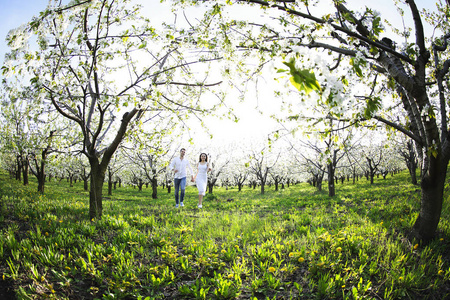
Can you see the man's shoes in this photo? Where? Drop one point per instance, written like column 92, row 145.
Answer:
column 176, row 205
column 199, row 206
column 181, row 204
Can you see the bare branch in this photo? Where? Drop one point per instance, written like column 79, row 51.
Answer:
column 400, row 128
column 189, row 84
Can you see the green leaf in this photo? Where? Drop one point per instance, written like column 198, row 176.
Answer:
column 143, row 45
column 373, row 105
column 303, row 79
column 434, row 153
column 216, row 10
column 356, row 67
column 376, row 26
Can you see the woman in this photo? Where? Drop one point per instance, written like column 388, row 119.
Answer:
column 200, row 178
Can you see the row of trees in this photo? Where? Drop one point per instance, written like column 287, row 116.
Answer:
column 108, row 71
column 85, row 66
column 256, row 165
column 358, row 68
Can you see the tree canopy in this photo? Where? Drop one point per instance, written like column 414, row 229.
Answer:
column 103, row 66
column 348, row 61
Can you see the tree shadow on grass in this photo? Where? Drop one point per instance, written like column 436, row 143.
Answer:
column 7, row 290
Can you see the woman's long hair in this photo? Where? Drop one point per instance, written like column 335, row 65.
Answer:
column 200, row 157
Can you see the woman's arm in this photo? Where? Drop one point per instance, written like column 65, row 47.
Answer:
column 195, row 177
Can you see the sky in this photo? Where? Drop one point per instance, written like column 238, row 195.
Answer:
column 252, row 124
column 15, row 13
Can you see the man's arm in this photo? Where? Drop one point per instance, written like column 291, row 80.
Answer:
column 173, row 164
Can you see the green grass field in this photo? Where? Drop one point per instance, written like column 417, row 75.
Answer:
column 292, row 244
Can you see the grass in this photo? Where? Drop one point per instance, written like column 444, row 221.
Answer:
column 293, row 244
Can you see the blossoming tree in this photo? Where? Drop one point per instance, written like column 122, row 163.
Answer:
column 406, row 67
column 103, row 66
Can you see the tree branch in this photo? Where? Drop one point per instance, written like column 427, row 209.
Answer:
column 400, row 128
column 360, row 37
column 189, row 84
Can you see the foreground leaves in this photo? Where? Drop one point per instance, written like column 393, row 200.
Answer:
column 289, row 244
column 302, row 79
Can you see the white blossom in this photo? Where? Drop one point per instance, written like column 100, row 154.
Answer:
column 297, row 49
column 18, row 38
column 425, row 110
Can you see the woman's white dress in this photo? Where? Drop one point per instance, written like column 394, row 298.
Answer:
column 201, row 179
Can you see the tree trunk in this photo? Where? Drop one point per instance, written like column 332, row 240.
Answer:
column 331, row 171
column 432, row 185
column 96, row 191
column 331, row 186
column 41, row 176
column 319, row 181
column 110, row 184
column 211, row 184
column 25, row 172
column 110, row 175
column 86, row 186
column 40, row 169
column 19, row 168
column 154, row 183
column 412, row 172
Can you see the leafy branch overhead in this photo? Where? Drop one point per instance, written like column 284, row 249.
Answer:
column 332, row 33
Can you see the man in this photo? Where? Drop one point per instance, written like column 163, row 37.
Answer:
column 178, row 165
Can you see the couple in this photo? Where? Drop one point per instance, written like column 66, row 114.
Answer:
column 179, row 165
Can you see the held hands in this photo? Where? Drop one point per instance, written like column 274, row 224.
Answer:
column 192, row 179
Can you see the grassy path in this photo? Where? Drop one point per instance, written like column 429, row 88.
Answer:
column 292, row 244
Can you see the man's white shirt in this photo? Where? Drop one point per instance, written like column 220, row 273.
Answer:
column 180, row 165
